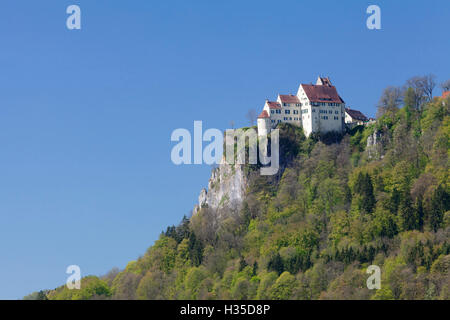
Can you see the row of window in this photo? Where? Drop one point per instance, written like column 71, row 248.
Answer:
column 304, row 111
column 298, row 119
column 278, row 111
column 329, row 111
column 330, row 104
column 295, row 104
column 326, row 117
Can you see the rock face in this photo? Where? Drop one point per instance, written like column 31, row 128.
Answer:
column 226, row 188
column 374, row 146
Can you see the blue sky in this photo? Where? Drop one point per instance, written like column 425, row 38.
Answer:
column 86, row 116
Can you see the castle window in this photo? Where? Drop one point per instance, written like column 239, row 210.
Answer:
column 279, row 121
column 330, row 112
column 278, row 111
column 295, row 111
column 271, row 111
column 287, row 111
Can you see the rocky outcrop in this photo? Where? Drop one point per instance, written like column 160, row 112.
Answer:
column 226, row 188
column 374, row 146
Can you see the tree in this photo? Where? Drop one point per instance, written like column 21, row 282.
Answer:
column 407, row 214
column 251, row 116
column 151, row 286
column 195, row 250
column 440, row 203
column 419, row 212
column 124, row 286
column 364, row 187
column 194, row 278
column 410, row 103
column 41, row 296
column 276, row 264
column 240, row 289
column 242, row 264
column 36, row 296
column 423, row 87
column 390, row 100
column 267, row 280
column 446, row 85
column 283, row 287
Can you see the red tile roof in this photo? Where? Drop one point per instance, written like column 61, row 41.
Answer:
column 263, row 114
column 288, row 98
column 322, row 93
column 273, row 105
column 355, row 114
column 446, row 94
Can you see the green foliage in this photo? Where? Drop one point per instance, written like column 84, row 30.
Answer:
column 283, row 287
column 91, row 288
column 310, row 231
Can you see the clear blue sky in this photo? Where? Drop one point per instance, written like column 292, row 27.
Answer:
column 86, row 116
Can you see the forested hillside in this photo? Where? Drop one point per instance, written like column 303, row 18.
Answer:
column 338, row 205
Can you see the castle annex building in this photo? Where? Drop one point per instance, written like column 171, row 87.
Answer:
column 316, row 107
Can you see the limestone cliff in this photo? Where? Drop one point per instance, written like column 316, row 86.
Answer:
column 226, row 188
column 374, row 148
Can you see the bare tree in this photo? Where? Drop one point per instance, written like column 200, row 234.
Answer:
column 232, row 124
column 429, row 83
column 390, row 100
column 446, row 85
column 251, row 116
column 423, row 88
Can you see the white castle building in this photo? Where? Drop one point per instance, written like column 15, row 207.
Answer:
column 316, row 107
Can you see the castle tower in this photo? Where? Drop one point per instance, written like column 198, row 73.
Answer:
column 263, row 123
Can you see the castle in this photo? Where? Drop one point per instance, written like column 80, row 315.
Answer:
column 316, row 108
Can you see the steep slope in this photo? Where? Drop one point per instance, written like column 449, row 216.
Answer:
column 378, row 195
column 226, row 188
